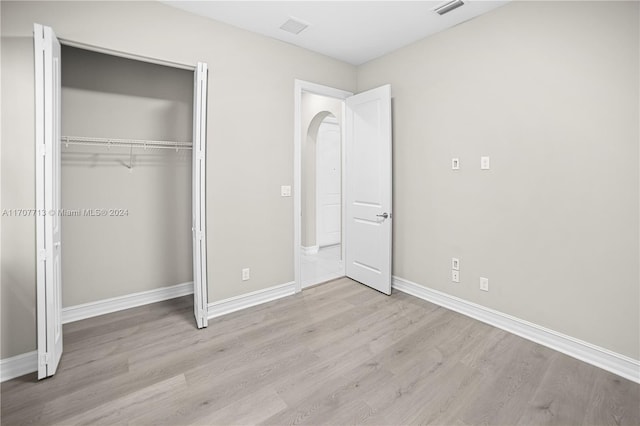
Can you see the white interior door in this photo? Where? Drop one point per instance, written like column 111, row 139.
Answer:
column 369, row 188
column 328, row 183
column 200, row 288
column 49, row 278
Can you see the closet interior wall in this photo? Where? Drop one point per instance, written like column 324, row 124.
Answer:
column 149, row 246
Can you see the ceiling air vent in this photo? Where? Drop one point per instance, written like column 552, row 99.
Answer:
column 294, row 26
column 448, row 7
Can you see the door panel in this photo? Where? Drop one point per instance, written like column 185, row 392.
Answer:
column 200, row 286
column 369, row 190
column 329, row 184
column 49, row 250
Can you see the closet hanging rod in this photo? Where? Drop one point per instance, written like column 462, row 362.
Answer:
column 133, row 143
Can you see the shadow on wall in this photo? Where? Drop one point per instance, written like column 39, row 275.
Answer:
column 86, row 72
column 309, row 179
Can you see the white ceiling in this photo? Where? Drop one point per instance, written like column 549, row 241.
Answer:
column 351, row 31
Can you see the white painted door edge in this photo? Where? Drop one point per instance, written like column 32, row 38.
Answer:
column 47, row 82
column 199, row 192
column 301, row 86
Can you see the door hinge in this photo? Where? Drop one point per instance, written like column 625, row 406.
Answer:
column 199, row 235
column 42, row 149
column 42, row 255
column 44, row 359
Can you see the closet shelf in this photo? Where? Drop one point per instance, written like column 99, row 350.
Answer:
column 129, row 143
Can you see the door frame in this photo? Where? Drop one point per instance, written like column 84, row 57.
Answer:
column 40, row 135
column 301, row 86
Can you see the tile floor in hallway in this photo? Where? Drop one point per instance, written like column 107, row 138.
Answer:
column 321, row 267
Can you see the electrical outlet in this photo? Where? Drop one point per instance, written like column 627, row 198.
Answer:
column 485, row 163
column 285, row 190
column 455, row 276
column 455, row 163
column 246, row 274
column 455, row 264
column 484, row 284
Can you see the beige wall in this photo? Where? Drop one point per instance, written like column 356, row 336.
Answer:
column 251, row 80
column 550, row 91
column 110, row 97
column 315, row 109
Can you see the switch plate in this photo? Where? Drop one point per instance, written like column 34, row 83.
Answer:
column 285, row 190
column 246, row 274
column 484, row 284
column 455, row 164
column 455, row 264
column 485, row 163
column 455, row 276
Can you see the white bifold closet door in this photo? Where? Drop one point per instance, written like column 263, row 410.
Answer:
column 49, row 265
column 369, row 188
column 49, row 251
column 199, row 194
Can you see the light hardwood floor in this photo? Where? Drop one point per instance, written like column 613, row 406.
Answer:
column 338, row 353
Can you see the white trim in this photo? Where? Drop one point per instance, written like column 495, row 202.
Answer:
column 616, row 363
column 18, row 365
column 311, row 250
column 115, row 304
column 121, row 54
column 248, row 300
column 299, row 87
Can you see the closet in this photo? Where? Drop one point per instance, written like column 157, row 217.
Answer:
column 120, row 154
column 126, row 168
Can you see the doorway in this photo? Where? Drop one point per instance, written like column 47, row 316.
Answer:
column 321, row 257
column 364, row 231
column 318, row 183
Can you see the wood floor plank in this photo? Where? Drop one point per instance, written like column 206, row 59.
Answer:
column 120, row 410
column 563, row 395
column 334, row 395
column 506, row 394
column 243, row 412
column 337, row 353
column 614, row 401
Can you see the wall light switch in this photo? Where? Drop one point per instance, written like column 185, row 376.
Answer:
column 484, row 284
column 455, row 164
column 455, row 264
column 455, row 276
column 285, row 190
column 485, row 163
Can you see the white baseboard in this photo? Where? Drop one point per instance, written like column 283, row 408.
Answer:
column 310, row 250
column 18, row 365
column 244, row 301
column 616, row 363
column 107, row 306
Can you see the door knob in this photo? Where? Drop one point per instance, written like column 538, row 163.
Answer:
column 383, row 215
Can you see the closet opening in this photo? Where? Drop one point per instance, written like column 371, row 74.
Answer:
column 126, row 168
column 120, row 172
